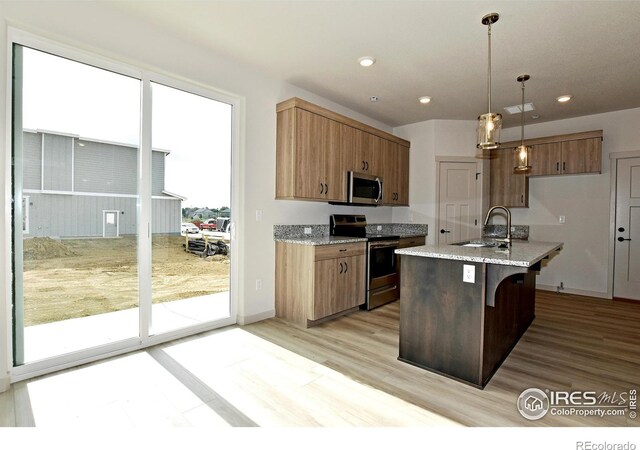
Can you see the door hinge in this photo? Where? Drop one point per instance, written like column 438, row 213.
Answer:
column 477, row 173
column 476, row 222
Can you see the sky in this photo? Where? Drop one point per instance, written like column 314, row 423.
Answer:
column 66, row 96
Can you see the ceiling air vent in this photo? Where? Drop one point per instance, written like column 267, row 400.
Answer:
column 517, row 109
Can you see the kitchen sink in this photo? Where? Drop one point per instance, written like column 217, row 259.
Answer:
column 479, row 243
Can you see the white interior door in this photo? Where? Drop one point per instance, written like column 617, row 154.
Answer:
column 458, row 202
column 626, row 280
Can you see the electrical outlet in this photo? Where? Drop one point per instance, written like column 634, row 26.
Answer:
column 307, row 230
column 561, row 219
column 258, row 284
column 379, row 227
column 468, row 273
column 258, row 215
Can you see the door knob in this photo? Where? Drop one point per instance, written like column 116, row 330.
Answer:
column 620, row 239
column 443, row 231
column 621, row 229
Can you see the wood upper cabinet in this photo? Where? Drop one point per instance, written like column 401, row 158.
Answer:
column 508, row 188
column 317, row 282
column 567, row 157
column 545, row 159
column 582, row 156
column 395, row 174
column 315, row 148
column 361, row 151
column 309, row 164
column 566, row 154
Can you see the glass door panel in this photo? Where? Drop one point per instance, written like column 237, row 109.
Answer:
column 75, row 191
column 191, row 215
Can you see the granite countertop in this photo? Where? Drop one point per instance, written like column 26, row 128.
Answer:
column 521, row 253
column 320, row 240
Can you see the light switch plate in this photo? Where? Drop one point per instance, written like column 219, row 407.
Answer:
column 561, row 219
column 258, row 215
column 468, row 273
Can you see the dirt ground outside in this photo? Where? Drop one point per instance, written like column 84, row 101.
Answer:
column 70, row 278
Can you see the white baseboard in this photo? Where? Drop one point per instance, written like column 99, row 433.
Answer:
column 246, row 320
column 595, row 294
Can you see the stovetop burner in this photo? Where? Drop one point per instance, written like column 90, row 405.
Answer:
column 351, row 225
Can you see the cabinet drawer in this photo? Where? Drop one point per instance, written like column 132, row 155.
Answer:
column 411, row 241
column 339, row 250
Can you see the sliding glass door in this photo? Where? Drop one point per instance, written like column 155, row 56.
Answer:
column 191, row 135
column 121, row 209
column 75, row 147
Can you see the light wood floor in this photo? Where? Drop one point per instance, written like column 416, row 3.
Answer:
column 575, row 343
column 341, row 373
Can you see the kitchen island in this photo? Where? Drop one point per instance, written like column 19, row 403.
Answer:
column 464, row 307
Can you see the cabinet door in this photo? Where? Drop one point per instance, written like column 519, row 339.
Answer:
column 507, row 187
column 389, row 165
column 350, row 286
column 312, row 138
column 582, row 156
column 324, row 289
column 545, row 159
column 403, row 176
column 335, row 174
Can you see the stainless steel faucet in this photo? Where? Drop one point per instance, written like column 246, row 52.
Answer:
column 507, row 239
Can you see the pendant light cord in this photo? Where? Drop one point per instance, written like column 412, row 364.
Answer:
column 489, row 75
column 522, row 119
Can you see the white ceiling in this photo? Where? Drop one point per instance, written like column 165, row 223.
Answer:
column 590, row 49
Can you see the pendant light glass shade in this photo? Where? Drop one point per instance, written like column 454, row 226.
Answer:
column 522, row 151
column 489, row 124
column 522, row 156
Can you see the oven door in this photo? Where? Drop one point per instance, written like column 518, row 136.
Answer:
column 383, row 270
column 364, row 189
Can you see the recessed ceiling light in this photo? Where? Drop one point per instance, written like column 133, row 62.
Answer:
column 564, row 98
column 366, row 61
column 374, row 98
column 424, row 99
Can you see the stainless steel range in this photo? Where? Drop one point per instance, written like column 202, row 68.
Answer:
column 383, row 279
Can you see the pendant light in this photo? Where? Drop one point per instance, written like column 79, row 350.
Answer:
column 489, row 124
column 522, row 152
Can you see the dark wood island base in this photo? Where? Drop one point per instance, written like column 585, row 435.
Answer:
column 459, row 329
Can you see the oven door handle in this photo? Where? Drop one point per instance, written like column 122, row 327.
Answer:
column 380, row 245
column 382, row 291
column 379, row 190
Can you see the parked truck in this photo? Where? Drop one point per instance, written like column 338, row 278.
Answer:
column 209, row 224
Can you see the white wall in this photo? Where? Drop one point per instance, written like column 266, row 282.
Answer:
column 584, row 200
column 102, row 29
column 429, row 140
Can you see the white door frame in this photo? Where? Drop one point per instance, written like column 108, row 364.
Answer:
column 104, row 218
column 482, row 167
column 613, row 165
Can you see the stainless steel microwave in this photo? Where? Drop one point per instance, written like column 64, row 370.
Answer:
column 364, row 189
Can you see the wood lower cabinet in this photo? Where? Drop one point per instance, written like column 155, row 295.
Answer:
column 314, row 283
column 508, row 188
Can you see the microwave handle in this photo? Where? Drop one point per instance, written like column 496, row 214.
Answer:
column 379, row 190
